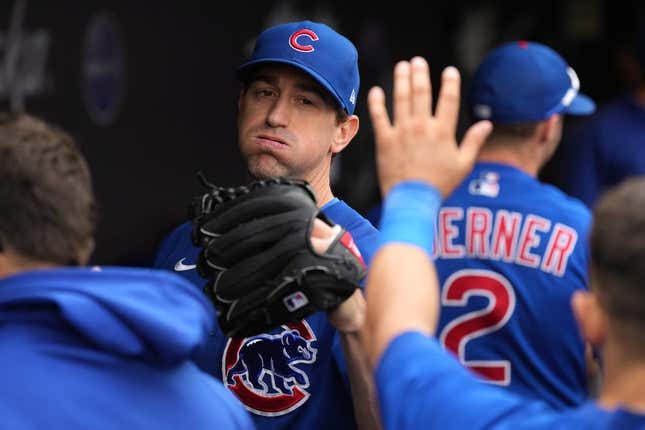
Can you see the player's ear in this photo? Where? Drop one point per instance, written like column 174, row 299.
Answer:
column 345, row 132
column 550, row 129
column 590, row 316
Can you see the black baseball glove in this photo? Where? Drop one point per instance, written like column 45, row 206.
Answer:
column 257, row 256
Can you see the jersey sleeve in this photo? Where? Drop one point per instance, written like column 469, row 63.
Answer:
column 421, row 386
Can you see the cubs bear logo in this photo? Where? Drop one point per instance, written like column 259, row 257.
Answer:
column 263, row 370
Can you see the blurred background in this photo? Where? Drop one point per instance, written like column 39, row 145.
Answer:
column 148, row 88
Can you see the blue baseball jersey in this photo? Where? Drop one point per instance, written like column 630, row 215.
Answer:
column 107, row 348
column 420, row 386
column 290, row 378
column 603, row 150
column 509, row 253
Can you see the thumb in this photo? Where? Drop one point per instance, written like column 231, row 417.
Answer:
column 322, row 236
column 473, row 141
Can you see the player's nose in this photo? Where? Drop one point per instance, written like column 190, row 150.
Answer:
column 279, row 113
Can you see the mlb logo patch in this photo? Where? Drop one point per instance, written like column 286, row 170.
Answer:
column 487, row 185
column 295, row 301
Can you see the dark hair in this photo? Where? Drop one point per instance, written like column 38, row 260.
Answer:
column 47, row 208
column 513, row 131
column 618, row 256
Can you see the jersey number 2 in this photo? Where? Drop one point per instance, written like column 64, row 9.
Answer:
column 458, row 288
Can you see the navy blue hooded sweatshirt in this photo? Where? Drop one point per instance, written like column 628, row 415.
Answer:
column 107, row 348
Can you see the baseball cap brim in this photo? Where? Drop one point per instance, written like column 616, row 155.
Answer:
column 244, row 68
column 581, row 105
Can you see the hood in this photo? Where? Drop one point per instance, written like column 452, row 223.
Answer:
column 151, row 314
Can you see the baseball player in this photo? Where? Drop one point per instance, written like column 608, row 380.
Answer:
column 98, row 348
column 421, row 385
column 510, row 251
column 296, row 110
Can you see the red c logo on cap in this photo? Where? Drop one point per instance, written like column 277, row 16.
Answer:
column 293, row 40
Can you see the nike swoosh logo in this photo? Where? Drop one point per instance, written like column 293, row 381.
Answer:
column 180, row 266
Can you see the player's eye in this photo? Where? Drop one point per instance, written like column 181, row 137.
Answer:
column 264, row 92
column 305, row 101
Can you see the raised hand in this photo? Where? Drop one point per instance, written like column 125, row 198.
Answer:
column 418, row 145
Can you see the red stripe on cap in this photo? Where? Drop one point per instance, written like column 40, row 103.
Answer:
column 523, row 44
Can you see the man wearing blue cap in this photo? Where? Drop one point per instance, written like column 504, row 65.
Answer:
column 420, row 385
column 510, row 250
column 296, row 111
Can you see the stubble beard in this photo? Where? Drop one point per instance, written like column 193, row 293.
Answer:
column 264, row 166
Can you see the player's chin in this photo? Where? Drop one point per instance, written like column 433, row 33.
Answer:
column 264, row 166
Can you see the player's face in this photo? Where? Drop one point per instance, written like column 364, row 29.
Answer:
column 286, row 126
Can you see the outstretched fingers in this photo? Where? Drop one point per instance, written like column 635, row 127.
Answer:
column 414, row 144
column 378, row 113
column 401, row 105
column 421, row 88
column 447, row 113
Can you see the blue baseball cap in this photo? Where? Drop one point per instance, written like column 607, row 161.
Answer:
column 330, row 58
column 525, row 82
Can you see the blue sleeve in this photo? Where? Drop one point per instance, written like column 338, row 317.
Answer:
column 421, row 386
